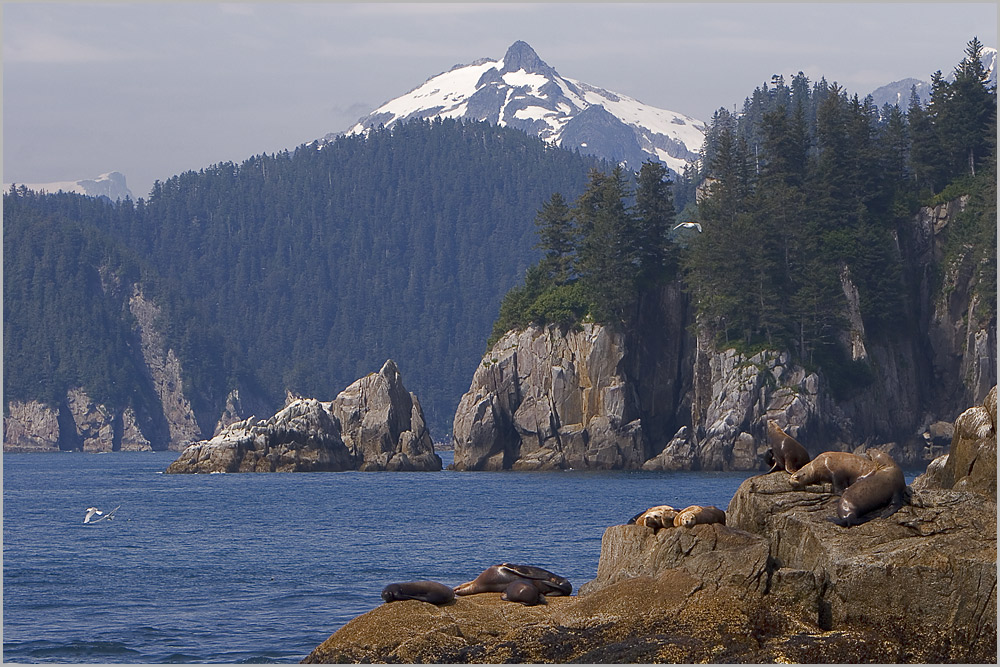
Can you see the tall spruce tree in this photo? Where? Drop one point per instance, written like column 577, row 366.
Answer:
column 654, row 215
column 557, row 239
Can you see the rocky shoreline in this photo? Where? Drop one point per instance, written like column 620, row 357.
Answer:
column 778, row 583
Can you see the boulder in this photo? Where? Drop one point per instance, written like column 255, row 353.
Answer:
column 971, row 462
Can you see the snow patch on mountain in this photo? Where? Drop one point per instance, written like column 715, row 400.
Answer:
column 523, row 92
column 111, row 185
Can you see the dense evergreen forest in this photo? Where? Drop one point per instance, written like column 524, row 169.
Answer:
column 801, row 190
column 305, row 270
column 302, row 270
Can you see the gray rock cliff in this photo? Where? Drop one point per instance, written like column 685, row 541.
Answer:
column 546, row 399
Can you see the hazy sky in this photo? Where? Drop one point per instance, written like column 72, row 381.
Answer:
column 152, row 90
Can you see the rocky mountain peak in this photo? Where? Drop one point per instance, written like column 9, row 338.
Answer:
column 520, row 56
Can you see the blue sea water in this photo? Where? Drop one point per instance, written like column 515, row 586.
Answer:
column 264, row 567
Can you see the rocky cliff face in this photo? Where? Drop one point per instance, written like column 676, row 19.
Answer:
column 778, row 583
column 374, row 424
column 80, row 423
column 671, row 399
column 544, row 398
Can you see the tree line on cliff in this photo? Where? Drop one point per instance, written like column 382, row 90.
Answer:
column 805, row 189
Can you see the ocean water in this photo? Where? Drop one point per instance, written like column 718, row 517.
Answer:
column 264, row 567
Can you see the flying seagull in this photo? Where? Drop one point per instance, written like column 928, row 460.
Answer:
column 92, row 511
column 689, row 225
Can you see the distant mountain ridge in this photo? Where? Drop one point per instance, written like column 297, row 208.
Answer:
column 523, row 92
column 111, row 185
column 898, row 92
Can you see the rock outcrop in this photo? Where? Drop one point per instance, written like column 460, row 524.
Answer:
column 382, row 424
column 30, row 426
column 302, row 437
column 545, row 399
column 374, row 424
column 778, row 582
column 164, row 370
column 79, row 423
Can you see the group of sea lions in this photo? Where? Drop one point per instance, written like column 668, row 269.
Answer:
column 665, row 516
column 516, row 583
column 866, row 483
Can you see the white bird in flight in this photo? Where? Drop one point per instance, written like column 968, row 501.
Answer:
column 689, row 225
column 92, row 511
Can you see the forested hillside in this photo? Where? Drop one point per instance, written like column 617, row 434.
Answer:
column 302, row 270
column 805, row 194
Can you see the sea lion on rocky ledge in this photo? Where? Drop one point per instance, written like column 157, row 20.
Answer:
column 425, row 591
column 884, row 486
column 522, row 591
column 786, row 452
column 661, row 516
column 496, row 578
column 841, row 469
column 696, row 514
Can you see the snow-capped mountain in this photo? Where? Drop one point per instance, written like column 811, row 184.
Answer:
column 110, row 185
column 898, row 92
column 523, row 92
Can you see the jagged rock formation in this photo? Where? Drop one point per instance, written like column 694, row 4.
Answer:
column 548, row 399
column 374, row 424
column 383, row 425
column 778, row 583
column 302, row 437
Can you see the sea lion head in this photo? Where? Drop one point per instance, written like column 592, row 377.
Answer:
column 392, row 592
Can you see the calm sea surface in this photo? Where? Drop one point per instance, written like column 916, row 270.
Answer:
column 264, row 567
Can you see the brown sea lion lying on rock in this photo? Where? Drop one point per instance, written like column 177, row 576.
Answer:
column 883, row 487
column 786, row 453
column 841, row 469
column 425, row 591
column 510, row 580
column 696, row 514
column 660, row 516
column 524, row 592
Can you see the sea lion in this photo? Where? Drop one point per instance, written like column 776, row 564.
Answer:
column 839, row 468
column 523, row 591
column 495, row 579
column 786, row 452
column 425, row 591
column 884, row 486
column 661, row 516
column 695, row 514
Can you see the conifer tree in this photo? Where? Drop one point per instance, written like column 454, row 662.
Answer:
column 608, row 259
column 557, row 238
column 654, row 215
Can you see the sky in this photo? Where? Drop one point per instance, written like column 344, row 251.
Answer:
column 153, row 90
